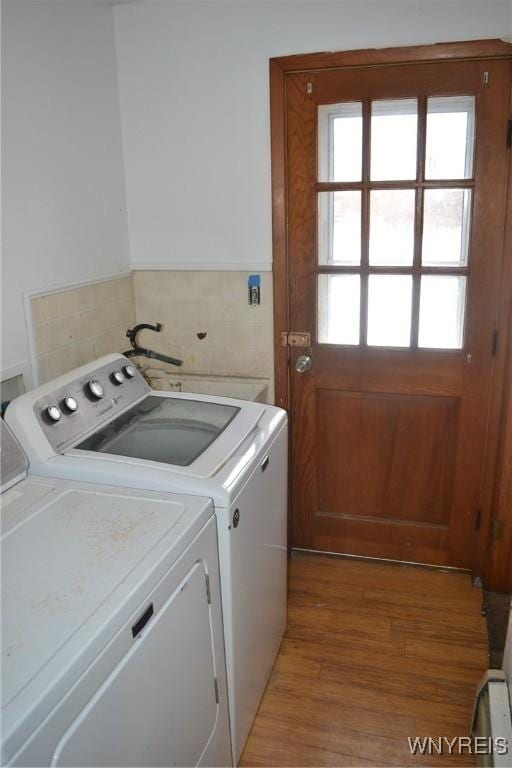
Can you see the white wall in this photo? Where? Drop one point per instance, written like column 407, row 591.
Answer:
column 195, row 122
column 63, row 204
column 195, row 107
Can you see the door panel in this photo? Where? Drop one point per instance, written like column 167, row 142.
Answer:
column 362, row 475
column 394, row 269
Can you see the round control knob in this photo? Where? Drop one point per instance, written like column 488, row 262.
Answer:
column 130, row 371
column 117, row 377
column 95, row 389
column 70, row 404
column 53, row 413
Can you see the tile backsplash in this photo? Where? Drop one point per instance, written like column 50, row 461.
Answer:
column 207, row 321
column 238, row 338
column 75, row 326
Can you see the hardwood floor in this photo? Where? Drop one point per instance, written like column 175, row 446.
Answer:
column 373, row 653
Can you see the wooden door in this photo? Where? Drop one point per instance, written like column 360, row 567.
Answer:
column 396, row 181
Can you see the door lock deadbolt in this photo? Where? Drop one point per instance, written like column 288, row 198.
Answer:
column 236, row 518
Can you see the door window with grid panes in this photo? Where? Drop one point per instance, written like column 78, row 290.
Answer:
column 394, row 195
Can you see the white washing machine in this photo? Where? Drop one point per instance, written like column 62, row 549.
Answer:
column 112, row 642
column 102, row 423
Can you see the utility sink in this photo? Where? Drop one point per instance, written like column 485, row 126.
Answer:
column 239, row 387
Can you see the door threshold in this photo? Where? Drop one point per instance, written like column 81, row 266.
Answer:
column 404, row 563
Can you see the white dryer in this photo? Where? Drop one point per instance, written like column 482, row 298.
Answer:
column 102, row 423
column 112, row 643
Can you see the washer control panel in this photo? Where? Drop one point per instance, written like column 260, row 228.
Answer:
column 74, row 409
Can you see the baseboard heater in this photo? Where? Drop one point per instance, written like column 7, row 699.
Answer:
column 491, row 726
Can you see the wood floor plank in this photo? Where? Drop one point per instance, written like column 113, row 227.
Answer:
column 354, row 654
column 424, row 580
column 395, row 610
column 447, row 653
column 365, row 693
column 298, row 710
column 463, row 603
column 373, row 653
column 349, row 622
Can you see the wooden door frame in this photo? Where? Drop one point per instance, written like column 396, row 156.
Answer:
column 497, row 557
column 494, row 503
column 494, row 556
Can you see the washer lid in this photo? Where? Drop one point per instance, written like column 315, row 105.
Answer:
column 75, row 565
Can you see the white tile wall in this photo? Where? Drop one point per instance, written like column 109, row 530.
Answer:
column 239, row 339
column 76, row 326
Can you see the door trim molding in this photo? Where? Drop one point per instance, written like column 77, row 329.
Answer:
column 411, row 54
column 279, row 227
column 493, row 558
column 282, row 66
